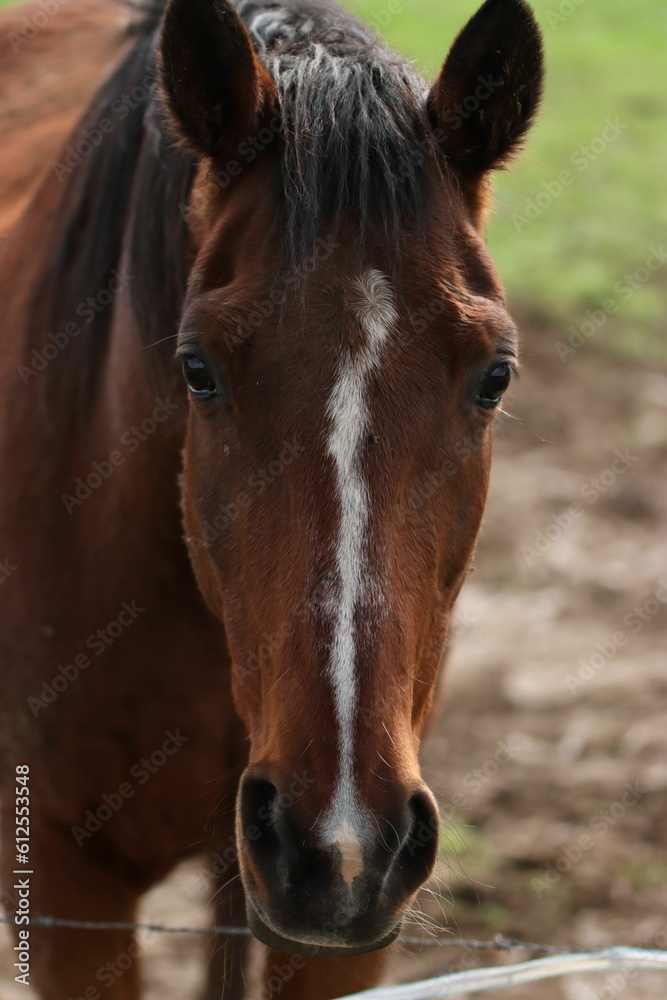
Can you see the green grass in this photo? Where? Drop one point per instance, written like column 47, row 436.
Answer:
column 605, row 60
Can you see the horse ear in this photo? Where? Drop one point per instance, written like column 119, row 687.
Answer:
column 216, row 89
column 489, row 88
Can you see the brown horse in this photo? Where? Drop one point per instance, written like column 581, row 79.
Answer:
column 269, row 191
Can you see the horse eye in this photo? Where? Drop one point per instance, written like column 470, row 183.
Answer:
column 201, row 382
column 494, row 384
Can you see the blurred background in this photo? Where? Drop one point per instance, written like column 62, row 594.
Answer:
column 606, row 65
column 550, row 761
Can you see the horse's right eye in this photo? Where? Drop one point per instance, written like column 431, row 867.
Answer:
column 199, row 377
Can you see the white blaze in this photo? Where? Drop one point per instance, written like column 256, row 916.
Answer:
column 347, row 820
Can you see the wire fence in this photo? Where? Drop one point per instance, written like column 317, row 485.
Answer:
column 499, row 943
column 560, row 961
column 480, row 980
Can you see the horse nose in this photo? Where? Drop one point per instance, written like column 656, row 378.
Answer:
column 395, row 849
column 416, row 855
column 345, row 889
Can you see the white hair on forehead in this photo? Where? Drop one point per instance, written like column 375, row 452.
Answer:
column 376, row 306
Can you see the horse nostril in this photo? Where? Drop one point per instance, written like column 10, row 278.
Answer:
column 414, row 861
column 273, row 837
column 258, row 814
column 423, row 839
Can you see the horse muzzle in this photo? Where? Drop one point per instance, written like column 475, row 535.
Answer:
column 310, row 897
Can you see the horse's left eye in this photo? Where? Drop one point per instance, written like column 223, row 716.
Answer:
column 494, row 384
column 199, row 378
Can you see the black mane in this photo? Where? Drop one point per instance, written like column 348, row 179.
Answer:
column 355, row 134
column 121, row 208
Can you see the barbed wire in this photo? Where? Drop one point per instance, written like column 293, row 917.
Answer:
column 499, row 943
column 560, row 961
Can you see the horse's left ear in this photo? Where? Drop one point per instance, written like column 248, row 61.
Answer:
column 489, row 88
column 216, row 89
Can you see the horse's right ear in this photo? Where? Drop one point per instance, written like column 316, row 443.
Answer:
column 216, row 89
column 488, row 91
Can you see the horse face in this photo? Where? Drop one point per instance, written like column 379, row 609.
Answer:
column 335, row 473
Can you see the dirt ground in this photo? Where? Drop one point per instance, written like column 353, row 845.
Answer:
column 550, row 762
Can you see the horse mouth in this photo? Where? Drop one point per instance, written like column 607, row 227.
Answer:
column 273, row 939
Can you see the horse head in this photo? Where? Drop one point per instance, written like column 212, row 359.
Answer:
column 346, row 346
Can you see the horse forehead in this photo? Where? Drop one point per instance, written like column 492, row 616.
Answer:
column 465, row 292
column 374, row 305
column 387, row 316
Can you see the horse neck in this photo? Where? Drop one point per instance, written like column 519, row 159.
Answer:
column 100, row 398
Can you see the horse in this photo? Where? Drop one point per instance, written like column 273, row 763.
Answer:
column 253, row 347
